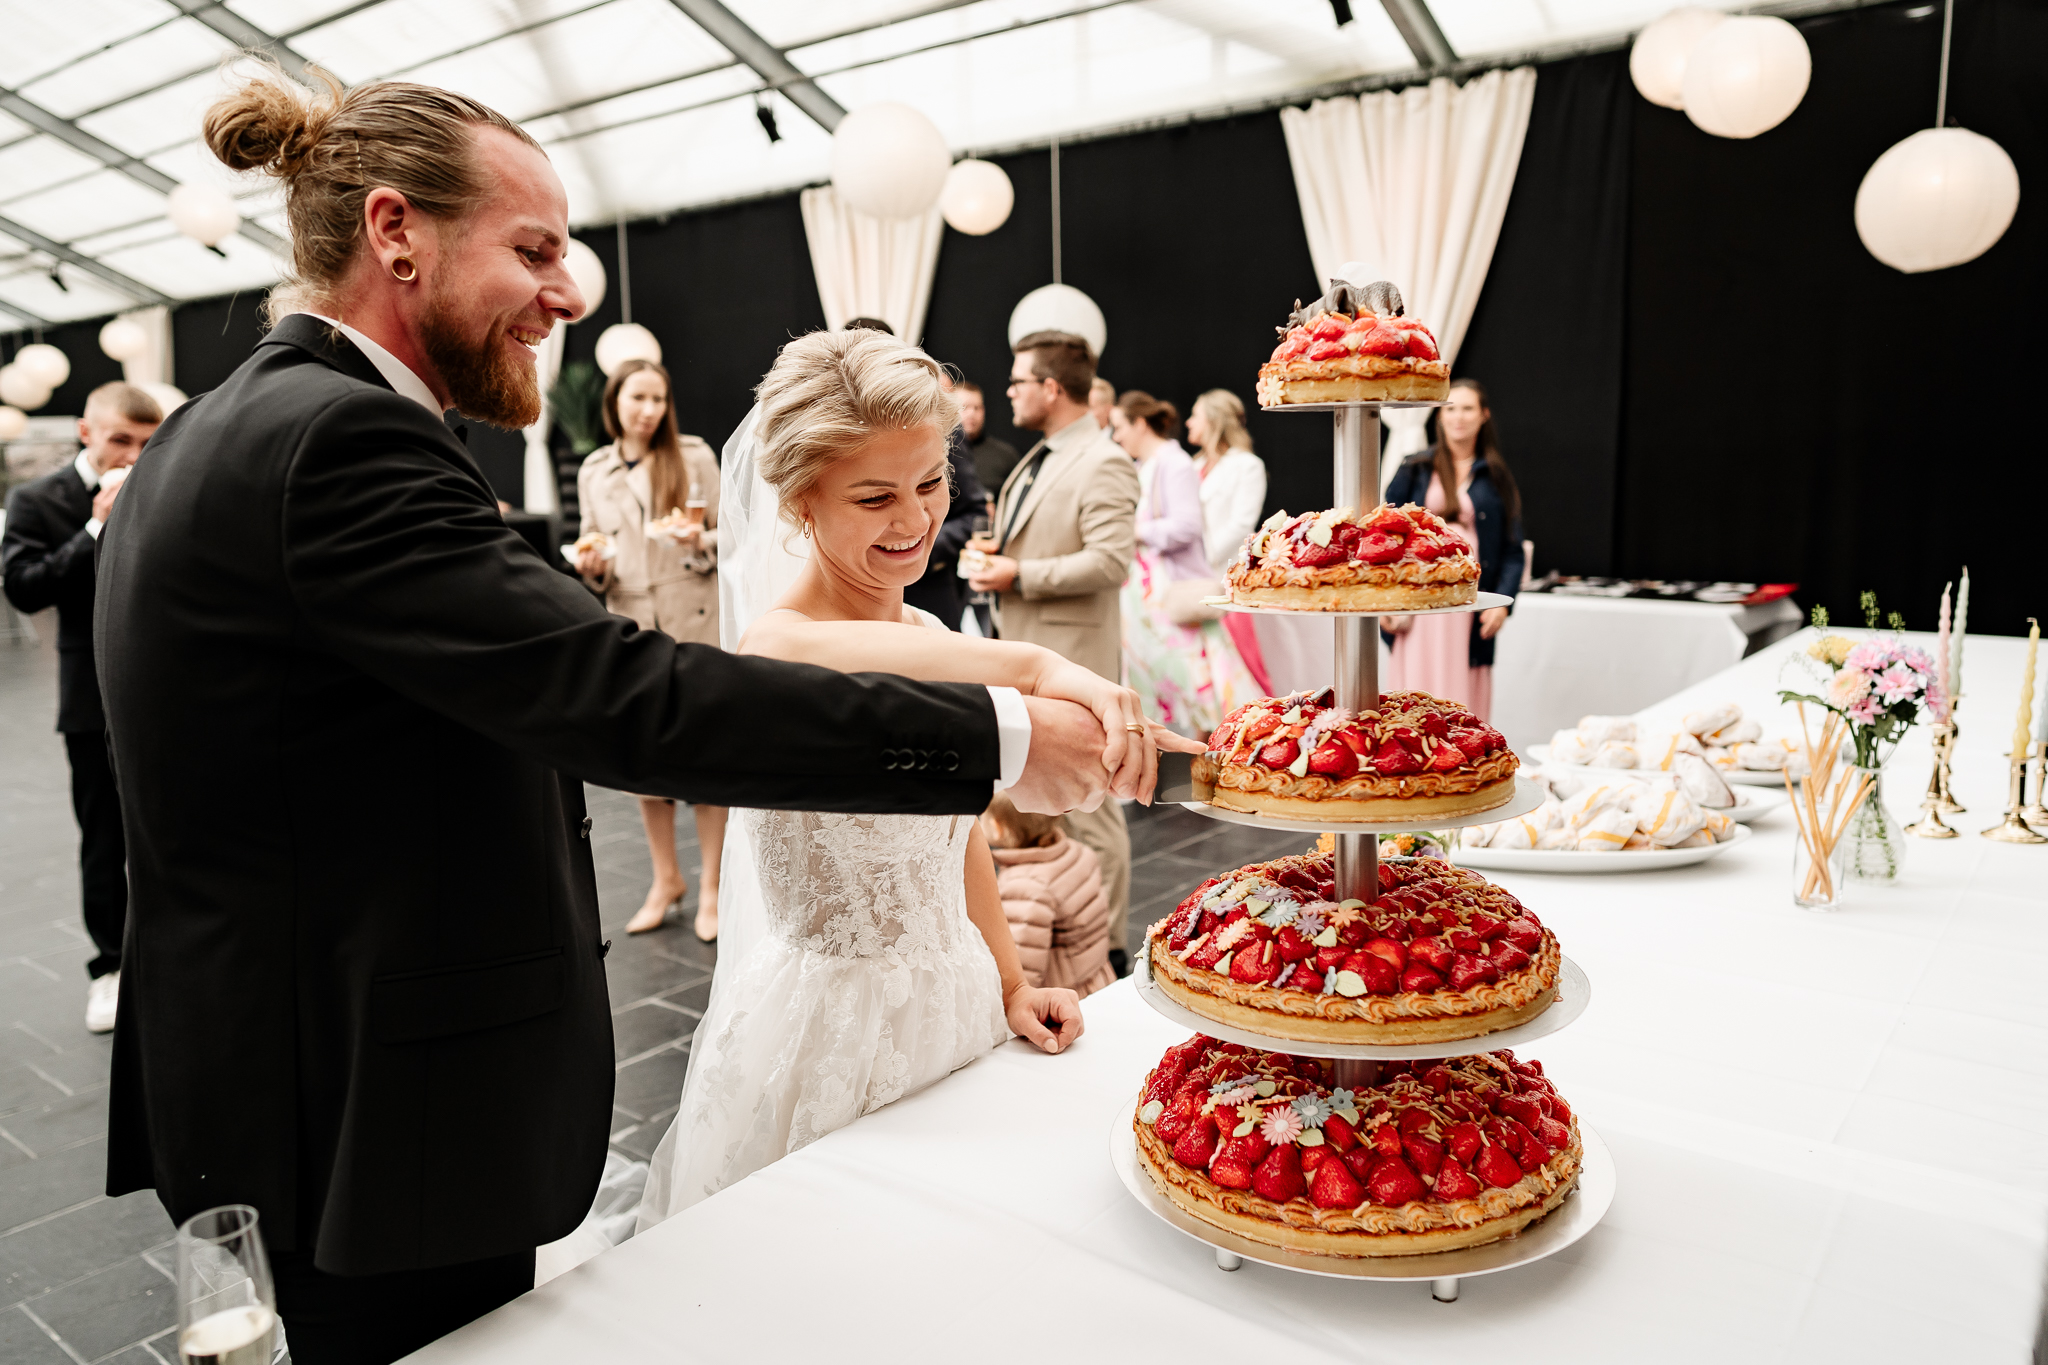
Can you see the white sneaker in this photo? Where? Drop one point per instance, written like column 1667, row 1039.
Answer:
column 101, row 1001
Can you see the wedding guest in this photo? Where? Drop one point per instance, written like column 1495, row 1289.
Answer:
column 1233, row 503
column 994, row 457
column 1176, row 655
column 46, row 560
column 1101, row 398
column 1463, row 479
column 1052, row 894
column 352, row 713
column 665, row 580
column 942, row 591
column 1065, row 531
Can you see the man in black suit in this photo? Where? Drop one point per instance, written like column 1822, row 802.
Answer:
column 46, row 560
column 352, row 713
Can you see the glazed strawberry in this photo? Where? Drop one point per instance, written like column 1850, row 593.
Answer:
column 1329, row 327
column 1555, row 1135
column 1420, row 978
column 1331, row 957
column 1463, row 1141
column 1469, row 970
column 1522, row 1108
column 1312, row 556
column 1448, row 758
column 1347, row 534
column 1386, row 1140
column 1486, row 927
column 1396, row 956
column 1455, row 1182
column 1421, row 346
column 1230, row 1172
column 1431, row 548
column 1379, row 978
column 1208, row 954
column 1425, row 1154
column 1360, row 1160
column 1197, row 1144
column 1383, row 340
column 1432, row 952
column 1377, row 548
column 1526, row 1147
column 1335, row 1187
column 1279, row 1177
column 1255, row 963
column 1471, row 743
column 1508, row 958
column 1394, row 1183
column 1279, row 753
column 1251, row 1149
column 1293, row 947
column 1438, row 1078
column 1333, row 759
column 1327, row 350
column 1524, row 934
column 1496, row 1167
column 1312, row 1157
column 1339, row 1133
column 1392, row 760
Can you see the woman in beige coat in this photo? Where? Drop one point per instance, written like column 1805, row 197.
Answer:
column 650, row 544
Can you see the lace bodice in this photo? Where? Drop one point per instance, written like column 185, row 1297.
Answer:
column 867, row 886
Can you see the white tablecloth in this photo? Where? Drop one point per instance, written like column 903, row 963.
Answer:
column 1831, row 1135
column 1560, row 658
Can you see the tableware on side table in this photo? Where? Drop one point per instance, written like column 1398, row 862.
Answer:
column 227, row 1305
column 1579, row 862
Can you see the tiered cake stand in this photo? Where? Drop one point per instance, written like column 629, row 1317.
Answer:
column 1355, row 457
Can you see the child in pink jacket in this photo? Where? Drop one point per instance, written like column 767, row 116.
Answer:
column 1053, row 897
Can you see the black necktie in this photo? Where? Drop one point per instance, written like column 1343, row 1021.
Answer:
column 1033, row 461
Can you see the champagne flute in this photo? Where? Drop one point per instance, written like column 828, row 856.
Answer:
column 227, row 1306
column 972, row 560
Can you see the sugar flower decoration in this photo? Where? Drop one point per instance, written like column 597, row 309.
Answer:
column 1312, row 919
column 1280, row 914
column 1234, row 933
column 1282, row 1125
column 1340, row 1098
column 1313, row 1110
column 1330, row 982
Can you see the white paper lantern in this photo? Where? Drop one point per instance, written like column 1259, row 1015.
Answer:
column 977, row 197
column 1746, row 75
column 1060, row 308
column 889, row 161
column 1941, row 197
column 1657, row 61
column 624, row 341
column 588, row 272
column 204, row 213
column 169, row 397
column 124, row 339
column 20, row 389
column 44, row 363
column 13, row 422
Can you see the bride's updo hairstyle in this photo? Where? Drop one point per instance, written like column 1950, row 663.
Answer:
column 330, row 147
column 829, row 393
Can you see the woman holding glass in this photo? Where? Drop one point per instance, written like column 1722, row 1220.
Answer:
column 650, row 544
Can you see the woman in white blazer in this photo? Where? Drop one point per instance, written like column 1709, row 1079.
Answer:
column 1233, row 501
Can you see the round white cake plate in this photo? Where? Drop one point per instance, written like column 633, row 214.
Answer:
column 1578, row 1215
column 1574, row 861
column 1528, row 796
column 1739, row 777
column 1480, row 603
column 1574, row 993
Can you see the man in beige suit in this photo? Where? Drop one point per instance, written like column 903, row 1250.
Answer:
column 1065, row 530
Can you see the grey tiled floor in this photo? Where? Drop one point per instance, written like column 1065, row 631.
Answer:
column 85, row 1278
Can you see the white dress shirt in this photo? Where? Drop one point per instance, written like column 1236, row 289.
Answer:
column 89, row 471
column 402, row 380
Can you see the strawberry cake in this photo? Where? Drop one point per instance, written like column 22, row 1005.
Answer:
column 1441, row 955
column 1432, row 1156
column 1412, row 758
column 1387, row 559
column 1353, row 345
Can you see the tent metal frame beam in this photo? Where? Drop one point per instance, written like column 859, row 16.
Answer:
column 29, row 321
column 1418, row 28
column 242, row 33
column 50, row 246
column 733, row 34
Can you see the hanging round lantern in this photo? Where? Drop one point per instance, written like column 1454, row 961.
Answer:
column 588, row 272
column 1746, row 75
column 889, row 161
column 124, row 339
column 1941, row 197
column 204, row 213
column 1060, row 308
column 624, row 341
column 169, row 397
column 45, row 363
column 20, row 389
column 977, row 197
column 1657, row 60
column 13, row 422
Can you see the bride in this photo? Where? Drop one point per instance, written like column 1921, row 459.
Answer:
column 864, row 956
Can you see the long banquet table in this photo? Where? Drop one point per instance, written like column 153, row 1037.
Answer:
column 1830, row 1134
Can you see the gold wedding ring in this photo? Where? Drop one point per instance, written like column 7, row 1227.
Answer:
column 1134, row 727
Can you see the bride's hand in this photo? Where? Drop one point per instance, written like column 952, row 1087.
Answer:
column 1131, row 741
column 1030, row 1008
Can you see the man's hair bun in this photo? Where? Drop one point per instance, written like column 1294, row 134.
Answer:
column 270, row 123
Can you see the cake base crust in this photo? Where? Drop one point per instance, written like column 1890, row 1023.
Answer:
column 1186, row 1190
column 1449, row 1028
column 1361, row 810
column 1359, row 597
column 1419, row 386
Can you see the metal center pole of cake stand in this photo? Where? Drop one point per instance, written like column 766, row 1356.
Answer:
column 1355, row 461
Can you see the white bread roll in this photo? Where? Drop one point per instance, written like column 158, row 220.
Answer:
column 1708, row 719
column 1598, row 730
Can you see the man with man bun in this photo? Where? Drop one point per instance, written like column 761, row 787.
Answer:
column 46, row 560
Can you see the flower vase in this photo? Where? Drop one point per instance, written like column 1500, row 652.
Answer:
column 1873, row 847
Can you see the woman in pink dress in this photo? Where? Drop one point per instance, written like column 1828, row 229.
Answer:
column 1464, row 480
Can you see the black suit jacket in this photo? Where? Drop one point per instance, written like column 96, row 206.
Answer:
column 1500, row 540
column 942, row 591
column 351, row 711
column 46, row 560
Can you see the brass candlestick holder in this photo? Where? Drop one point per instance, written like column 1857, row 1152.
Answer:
column 2012, row 829
column 1929, row 825
column 2034, row 812
column 1949, row 804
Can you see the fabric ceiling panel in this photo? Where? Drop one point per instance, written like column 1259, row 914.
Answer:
column 706, row 155
column 132, row 66
column 81, row 207
column 792, row 23
column 35, row 164
column 280, row 17
column 364, row 46
column 155, row 122
column 41, row 35
column 668, row 98
column 181, row 267
column 83, row 297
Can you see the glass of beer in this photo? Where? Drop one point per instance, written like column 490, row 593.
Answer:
column 693, row 508
column 227, row 1306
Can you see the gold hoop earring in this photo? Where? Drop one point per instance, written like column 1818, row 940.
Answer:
column 412, row 272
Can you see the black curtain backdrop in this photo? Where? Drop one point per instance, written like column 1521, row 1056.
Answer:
column 1696, row 369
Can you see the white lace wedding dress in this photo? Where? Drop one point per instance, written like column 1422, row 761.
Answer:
column 867, row 981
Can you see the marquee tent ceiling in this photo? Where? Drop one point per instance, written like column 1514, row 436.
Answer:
column 646, row 106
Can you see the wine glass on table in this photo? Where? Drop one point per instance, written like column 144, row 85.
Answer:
column 227, row 1305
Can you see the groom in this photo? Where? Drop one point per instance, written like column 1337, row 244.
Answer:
column 352, row 714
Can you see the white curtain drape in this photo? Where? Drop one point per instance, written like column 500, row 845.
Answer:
column 1415, row 184
column 541, row 493
column 153, row 366
column 872, row 267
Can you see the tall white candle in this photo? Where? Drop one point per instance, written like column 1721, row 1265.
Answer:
column 1955, row 652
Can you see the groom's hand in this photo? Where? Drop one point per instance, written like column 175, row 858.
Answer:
column 1063, row 770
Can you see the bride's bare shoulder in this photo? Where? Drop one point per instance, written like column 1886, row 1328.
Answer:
column 769, row 627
